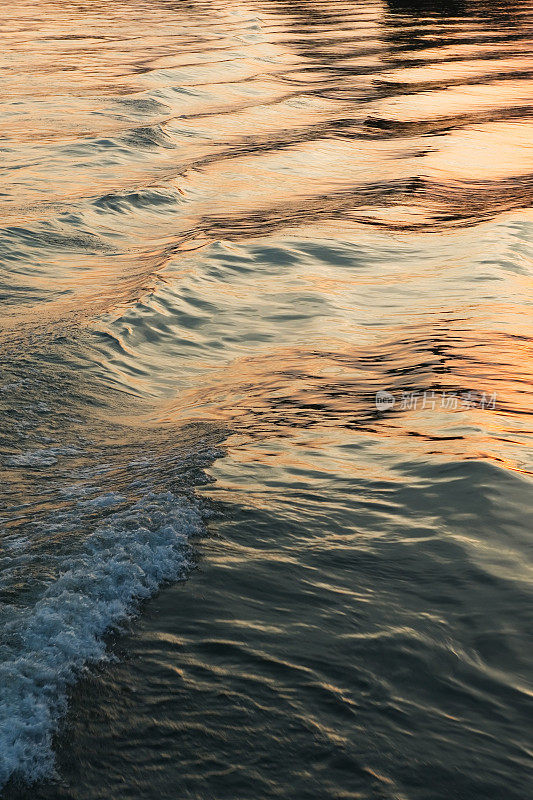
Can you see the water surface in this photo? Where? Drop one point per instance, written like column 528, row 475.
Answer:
column 225, row 573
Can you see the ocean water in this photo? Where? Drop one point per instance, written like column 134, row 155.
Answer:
column 229, row 568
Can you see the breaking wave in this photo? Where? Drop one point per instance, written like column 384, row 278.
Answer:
column 121, row 563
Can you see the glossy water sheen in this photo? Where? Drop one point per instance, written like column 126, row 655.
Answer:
column 224, row 227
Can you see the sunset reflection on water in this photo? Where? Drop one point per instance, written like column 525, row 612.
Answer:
column 226, row 227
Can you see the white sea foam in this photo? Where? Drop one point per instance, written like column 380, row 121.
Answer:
column 75, row 490
column 103, row 501
column 121, row 563
column 39, row 458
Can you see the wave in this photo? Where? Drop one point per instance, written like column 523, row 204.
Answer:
column 123, row 562
column 370, row 124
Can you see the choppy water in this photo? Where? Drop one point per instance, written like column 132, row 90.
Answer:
column 224, row 228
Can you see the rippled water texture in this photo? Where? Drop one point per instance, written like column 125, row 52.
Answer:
column 224, row 572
